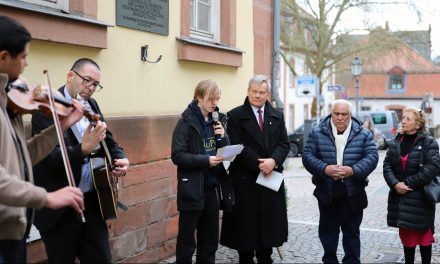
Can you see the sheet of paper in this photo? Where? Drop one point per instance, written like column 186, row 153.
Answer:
column 229, row 152
column 273, row 181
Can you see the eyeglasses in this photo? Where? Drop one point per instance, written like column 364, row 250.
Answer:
column 90, row 82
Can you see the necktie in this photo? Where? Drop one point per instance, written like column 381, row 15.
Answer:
column 260, row 119
column 86, row 182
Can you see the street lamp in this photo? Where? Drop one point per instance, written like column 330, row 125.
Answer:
column 356, row 70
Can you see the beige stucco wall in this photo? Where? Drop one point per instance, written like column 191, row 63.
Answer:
column 133, row 87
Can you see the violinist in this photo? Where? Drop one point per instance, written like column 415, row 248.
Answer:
column 18, row 154
column 65, row 237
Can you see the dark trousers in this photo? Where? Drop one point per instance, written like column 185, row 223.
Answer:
column 70, row 238
column 206, row 223
column 333, row 218
column 264, row 255
column 13, row 251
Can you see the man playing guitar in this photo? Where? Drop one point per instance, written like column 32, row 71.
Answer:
column 64, row 235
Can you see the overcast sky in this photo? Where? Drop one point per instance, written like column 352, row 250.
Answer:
column 401, row 17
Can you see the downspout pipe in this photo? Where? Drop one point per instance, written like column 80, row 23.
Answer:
column 276, row 55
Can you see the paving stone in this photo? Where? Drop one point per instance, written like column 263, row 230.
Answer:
column 379, row 243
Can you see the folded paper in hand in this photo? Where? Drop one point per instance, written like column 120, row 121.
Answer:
column 229, row 152
column 272, row 181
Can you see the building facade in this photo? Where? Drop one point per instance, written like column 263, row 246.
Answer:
column 396, row 79
column 152, row 54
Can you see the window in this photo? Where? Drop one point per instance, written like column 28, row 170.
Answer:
column 62, row 5
column 379, row 118
column 216, row 46
column 205, row 20
column 396, row 82
column 365, row 108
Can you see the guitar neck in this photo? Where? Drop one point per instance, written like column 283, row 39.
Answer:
column 107, row 153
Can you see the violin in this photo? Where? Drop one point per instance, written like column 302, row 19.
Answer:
column 23, row 99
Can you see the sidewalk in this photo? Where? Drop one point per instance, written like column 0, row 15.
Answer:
column 380, row 244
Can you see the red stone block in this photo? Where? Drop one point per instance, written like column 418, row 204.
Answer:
column 162, row 208
column 134, row 218
column 149, row 172
column 155, row 254
column 160, row 232
column 145, row 192
column 129, row 244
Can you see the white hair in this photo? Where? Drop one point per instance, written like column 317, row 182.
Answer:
column 258, row 80
column 343, row 101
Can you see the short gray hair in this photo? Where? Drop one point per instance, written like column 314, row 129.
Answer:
column 258, row 80
column 343, row 101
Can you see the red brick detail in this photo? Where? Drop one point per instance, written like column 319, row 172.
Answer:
column 160, row 232
column 149, row 172
column 155, row 254
column 134, row 218
column 263, row 27
column 144, row 138
column 128, row 244
column 88, row 8
column 144, row 192
column 193, row 52
column 162, row 208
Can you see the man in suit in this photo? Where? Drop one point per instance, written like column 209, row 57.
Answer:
column 18, row 194
column 258, row 221
column 340, row 154
column 64, row 235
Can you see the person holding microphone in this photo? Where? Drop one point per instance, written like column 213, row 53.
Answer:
column 196, row 138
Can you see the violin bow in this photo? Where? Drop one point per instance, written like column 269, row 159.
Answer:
column 60, row 135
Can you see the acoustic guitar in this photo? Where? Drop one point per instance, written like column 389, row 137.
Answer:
column 105, row 183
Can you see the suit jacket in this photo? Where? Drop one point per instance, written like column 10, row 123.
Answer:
column 50, row 172
column 17, row 192
column 259, row 218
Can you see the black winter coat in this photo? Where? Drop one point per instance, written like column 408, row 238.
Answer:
column 410, row 210
column 259, row 218
column 188, row 153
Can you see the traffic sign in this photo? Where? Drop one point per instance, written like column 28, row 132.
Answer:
column 334, row 87
column 306, row 85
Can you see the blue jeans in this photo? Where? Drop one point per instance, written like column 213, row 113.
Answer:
column 336, row 217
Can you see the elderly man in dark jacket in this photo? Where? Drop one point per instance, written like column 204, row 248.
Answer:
column 340, row 154
column 259, row 220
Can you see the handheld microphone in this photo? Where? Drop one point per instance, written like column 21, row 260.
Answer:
column 215, row 117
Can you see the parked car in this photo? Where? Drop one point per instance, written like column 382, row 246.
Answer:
column 379, row 137
column 386, row 121
column 297, row 140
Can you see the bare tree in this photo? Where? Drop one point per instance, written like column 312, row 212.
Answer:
column 313, row 29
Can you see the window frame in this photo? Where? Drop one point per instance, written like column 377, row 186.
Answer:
column 223, row 53
column 214, row 18
column 393, row 76
column 396, row 82
column 62, row 5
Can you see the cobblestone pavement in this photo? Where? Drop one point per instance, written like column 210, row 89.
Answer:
column 380, row 244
